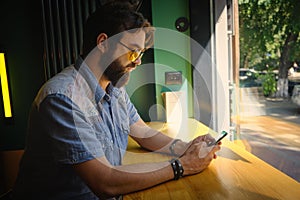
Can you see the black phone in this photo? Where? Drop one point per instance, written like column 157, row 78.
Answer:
column 218, row 139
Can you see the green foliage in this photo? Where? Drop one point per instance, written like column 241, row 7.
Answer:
column 268, row 83
column 264, row 29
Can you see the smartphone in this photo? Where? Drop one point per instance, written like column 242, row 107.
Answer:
column 218, row 139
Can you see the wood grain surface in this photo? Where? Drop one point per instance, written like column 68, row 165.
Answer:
column 235, row 174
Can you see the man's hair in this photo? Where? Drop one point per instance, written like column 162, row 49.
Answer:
column 111, row 19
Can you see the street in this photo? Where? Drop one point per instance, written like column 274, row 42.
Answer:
column 270, row 129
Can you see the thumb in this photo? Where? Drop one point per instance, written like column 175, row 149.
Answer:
column 204, row 150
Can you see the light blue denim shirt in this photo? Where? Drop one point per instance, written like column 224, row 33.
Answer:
column 72, row 120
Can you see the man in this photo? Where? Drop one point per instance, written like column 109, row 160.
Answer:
column 81, row 120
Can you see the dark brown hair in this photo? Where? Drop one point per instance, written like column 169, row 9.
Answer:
column 111, row 19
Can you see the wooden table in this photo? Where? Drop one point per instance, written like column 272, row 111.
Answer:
column 235, row 174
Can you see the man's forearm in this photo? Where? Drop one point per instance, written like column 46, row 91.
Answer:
column 155, row 140
column 108, row 181
column 163, row 144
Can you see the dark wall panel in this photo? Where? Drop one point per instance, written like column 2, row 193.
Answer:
column 62, row 31
column 201, row 33
column 21, row 40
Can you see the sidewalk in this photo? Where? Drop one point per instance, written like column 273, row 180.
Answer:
column 253, row 103
column 270, row 129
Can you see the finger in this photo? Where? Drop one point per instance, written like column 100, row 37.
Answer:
column 215, row 156
column 209, row 136
column 200, row 139
column 210, row 139
column 204, row 150
column 216, row 148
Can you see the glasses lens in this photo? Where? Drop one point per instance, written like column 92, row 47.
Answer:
column 135, row 55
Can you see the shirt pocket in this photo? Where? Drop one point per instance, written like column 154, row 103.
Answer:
column 106, row 143
column 101, row 133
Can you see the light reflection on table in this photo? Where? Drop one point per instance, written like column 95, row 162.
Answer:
column 235, row 174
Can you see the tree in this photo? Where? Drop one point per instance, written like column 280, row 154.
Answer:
column 269, row 32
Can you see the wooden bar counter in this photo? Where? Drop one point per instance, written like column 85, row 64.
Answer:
column 235, row 174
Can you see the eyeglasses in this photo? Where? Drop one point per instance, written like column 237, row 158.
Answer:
column 134, row 54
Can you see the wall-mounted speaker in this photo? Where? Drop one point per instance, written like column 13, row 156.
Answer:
column 182, row 24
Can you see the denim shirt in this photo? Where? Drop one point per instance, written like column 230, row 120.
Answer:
column 72, row 120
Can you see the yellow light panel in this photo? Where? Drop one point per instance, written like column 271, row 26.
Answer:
column 4, row 86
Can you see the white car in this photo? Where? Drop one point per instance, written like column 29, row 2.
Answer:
column 246, row 74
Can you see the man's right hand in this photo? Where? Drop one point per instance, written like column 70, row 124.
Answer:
column 198, row 157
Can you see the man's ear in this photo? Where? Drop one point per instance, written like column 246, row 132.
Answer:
column 101, row 42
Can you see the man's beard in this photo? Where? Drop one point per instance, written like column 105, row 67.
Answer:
column 117, row 74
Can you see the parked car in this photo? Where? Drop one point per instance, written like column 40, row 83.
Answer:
column 291, row 86
column 248, row 78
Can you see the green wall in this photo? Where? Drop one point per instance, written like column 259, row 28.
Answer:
column 168, row 43
column 141, row 88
